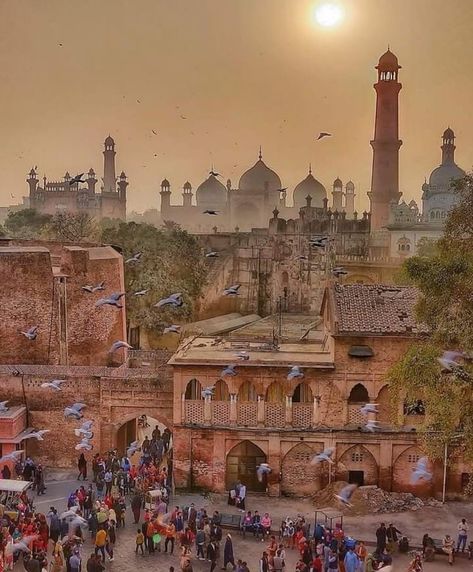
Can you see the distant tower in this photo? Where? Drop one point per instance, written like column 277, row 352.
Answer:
column 165, row 196
column 349, row 199
column 109, row 178
column 32, row 181
column 386, row 142
column 122, row 185
column 337, row 195
column 91, row 181
column 448, row 147
column 187, row 195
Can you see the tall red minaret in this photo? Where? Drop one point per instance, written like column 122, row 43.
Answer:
column 386, row 142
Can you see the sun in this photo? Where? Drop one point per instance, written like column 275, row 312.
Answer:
column 328, row 14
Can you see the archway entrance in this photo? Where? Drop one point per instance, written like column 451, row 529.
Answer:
column 242, row 461
column 138, row 429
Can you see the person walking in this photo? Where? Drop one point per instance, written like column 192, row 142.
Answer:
column 140, row 540
column 462, row 535
column 199, row 542
column 391, row 537
column 170, row 537
column 228, row 557
column 100, row 542
column 381, row 538
column 351, row 561
column 212, row 555
column 82, row 466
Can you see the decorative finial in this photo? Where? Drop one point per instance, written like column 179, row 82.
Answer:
column 260, row 156
column 310, row 168
column 388, row 48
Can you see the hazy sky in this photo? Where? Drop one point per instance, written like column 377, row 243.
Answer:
column 243, row 72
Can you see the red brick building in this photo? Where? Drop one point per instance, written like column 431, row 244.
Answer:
column 260, row 416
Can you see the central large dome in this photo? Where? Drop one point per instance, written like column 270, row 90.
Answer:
column 443, row 176
column 259, row 177
column 309, row 186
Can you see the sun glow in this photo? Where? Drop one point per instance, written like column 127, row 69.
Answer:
column 328, row 14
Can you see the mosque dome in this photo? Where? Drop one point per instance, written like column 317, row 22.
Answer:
column 309, row 187
column 258, row 177
column 165, row 184
column 211, row 193
column 388, row 62
column 444, row 175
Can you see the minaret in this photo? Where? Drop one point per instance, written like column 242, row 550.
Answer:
column 109, row 178
column 448, row 147
column 165, row 197
column 187, row 194
column 91, row 181
column 32, row 181
column 349, row 199
column 337, row 195
column 386, row 142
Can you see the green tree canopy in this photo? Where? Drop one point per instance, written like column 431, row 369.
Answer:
column 27, row 223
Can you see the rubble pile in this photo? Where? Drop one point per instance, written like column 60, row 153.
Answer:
column 370, row 499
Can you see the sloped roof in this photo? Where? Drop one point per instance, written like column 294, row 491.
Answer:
column 376, row 309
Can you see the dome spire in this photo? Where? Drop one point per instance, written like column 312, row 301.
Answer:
column 260, row 155
column 310, row 168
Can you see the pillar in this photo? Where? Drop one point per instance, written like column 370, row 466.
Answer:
column 288, row 410
column 261, row 412
column 208, row 410
column 233, row 408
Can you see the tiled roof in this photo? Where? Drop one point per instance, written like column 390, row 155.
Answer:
column 376, row 309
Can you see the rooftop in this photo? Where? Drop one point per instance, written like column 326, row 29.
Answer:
column 376, row 309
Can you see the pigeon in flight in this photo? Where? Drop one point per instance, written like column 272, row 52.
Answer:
column 211, row 254
column 88, row 435
column 3, row 406
column 174, row 300
column 207, row 392
column 210, row 212
column 229, row 370
column 85, row 430
column 154, row 131
column 135, row 258
column 302, row 257
column 38, row 435
column 118, row 345
column 84, row 445
column 183, row 117
column 345, row 494
column 318, row 243
column 420, row 472
column 77, row 521
column 372, row 425
column 70, row 513
column 74, row 411
column 232, row 290
column 92, row 289
column 140, row 292
column 262, row 469
column 172, row 329
column 20, row 545
column 31, row 334
column 112, row 300
column 76, row 179
column 133, row 448
column 214, row 174
column 325, row 455
column 450, row 363
column 369, row 408
column 294, row 373
column 13, row 456
column 323, row 134
column 243, row 356
column 54, row 384
column 339, row 271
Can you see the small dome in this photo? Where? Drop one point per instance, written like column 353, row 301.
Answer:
column 258, row 177
column 448, row 134
column 350, row 186
column 109, row 141
column 91, row 172
column 122, row 175
column 388, row 62
column 165, row 184
column 187, row 185
column 442, row 176
column 337, row 183
column 211, row 193
column 312, row 188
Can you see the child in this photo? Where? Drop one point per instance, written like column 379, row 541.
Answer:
column 140, row 539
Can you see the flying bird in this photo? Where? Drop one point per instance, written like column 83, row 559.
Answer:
column 172, row 329
column 369, row 408
column 325, row 455
column 318, row 243
column 243, row 356
column 214, row 174
column 84, row 445
column 174, row 300
column 20, row 545
column 294, row 373
column 54, row 384
column 92, row 289
column 3, row 406
column 339, row 271
column 229, row 370
column 302, row 257
column 372, row 425
column 76, row 179
column 70, row 513
column 85, row 430
column 183, row 117
column 141, row 292
column 154, row 131
column 345, row 494
column 112, row 300
column 118, row 345
column 323, row 134
column 31, row 334
column 13, row 456
column 262, row 469
column 420, row 472
column 86, row 435
column 133, row 448
column 135, row 258
column 210, row 212
column 211, row 254
column 232, row 290
column 207, row 392
column 38, row 435
column 74, row 411
column 86, row 426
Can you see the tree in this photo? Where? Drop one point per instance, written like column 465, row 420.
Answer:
column 444, row 276
column 27, row 223
column 171, row 262
column 73, row 227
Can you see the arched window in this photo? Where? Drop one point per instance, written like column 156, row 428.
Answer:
column 247, row 392
column 275, row 393
column 221, row 392
column 193, row 389
column 302, row 394
column 359, row 394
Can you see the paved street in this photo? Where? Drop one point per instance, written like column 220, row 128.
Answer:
column 436, row 521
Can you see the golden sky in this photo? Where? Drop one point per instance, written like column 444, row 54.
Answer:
column 243, row 73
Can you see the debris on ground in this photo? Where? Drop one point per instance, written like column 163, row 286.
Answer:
column 371, row 499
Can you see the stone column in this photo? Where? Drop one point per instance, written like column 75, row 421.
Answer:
column 316, row 411
column 233, row 408
column 288, row 410
column 208, row 410
column 183, row 408
column 385, row 464
column 261, row 413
